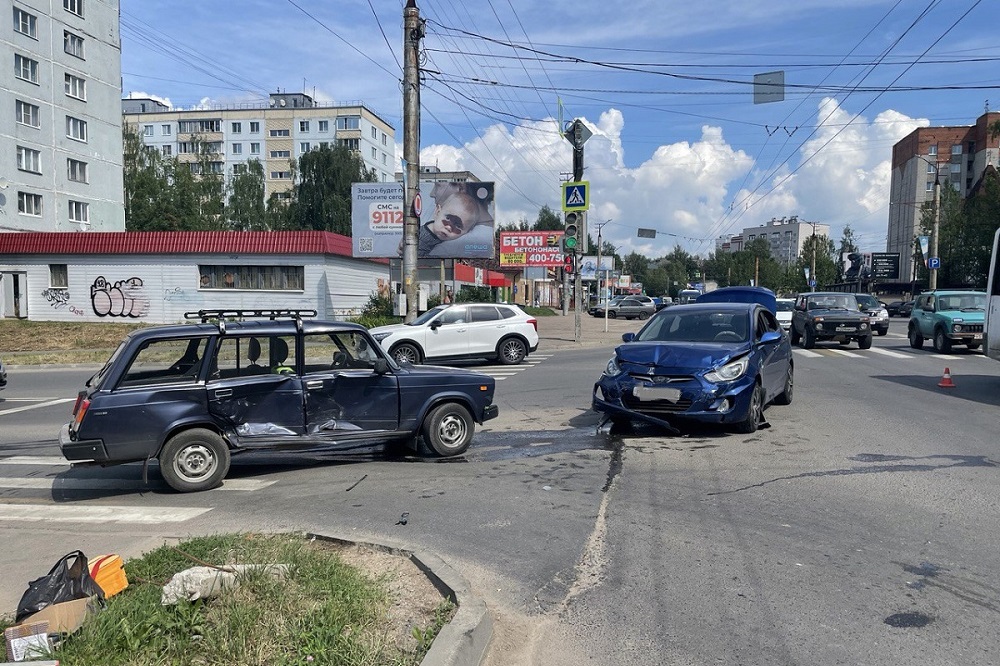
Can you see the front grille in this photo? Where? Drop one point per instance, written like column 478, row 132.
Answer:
column 972, row 328
column 657, row 408
column 661, row 379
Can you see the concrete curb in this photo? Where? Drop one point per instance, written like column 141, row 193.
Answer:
column 463, row 641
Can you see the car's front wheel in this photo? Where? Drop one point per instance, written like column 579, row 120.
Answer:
column 795, row 336
column 193, row 460
column 916, row 340
column 406, row 353
column 448, row 429
column 612, row 314
column 883, row 331
column 808, row 338
column 865, row 342
column 511, row 351
column 942, row 344
column 754, row 412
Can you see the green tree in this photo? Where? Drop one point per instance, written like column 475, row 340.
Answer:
column 246, row 208
column 548, row 220
column 322, row 194
column 826, row 266
column 636, row 265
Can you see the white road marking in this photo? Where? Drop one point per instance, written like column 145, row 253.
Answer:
column 49, row 403
column 91, row 513
column 62, row 483
column 886, row 352
column 35, row 460
column 845, row 353
column 807, row 353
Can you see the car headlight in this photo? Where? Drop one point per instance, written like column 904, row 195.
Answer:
column 863, row 326
column 379, row 337
column 957, row 328
column 613, row 368
column 729, row 371
column 883, row 313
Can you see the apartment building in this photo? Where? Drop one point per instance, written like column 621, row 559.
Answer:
column 957, row 156
column 276, row 132
column 786, row 236
column 60, row 124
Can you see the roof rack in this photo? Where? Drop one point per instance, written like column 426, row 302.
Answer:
column 272, row 314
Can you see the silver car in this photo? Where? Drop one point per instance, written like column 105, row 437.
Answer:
column 629, row 308
column 876, row 310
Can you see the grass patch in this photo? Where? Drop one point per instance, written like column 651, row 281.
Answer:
column 324, row 612
column 35, row 336
column 538, row 312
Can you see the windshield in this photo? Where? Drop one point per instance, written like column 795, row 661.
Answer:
column 963, row 302
column 698, row 326
column 427, row 316
column 785, row 306
column 867, row 301
column 832, row 302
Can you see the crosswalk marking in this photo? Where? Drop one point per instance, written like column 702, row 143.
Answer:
column 48, row 403
column 93, row 513
column 886, row 352
column 61, row 483
column 830, row 351
column 843, row 352
column 807, row 353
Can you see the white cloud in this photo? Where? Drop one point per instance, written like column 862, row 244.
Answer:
column 145, row 95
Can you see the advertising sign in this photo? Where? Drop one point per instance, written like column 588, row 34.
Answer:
column 457, row 222
column 589, row 267
column 885, row 265
column 519, row 249
column 857, row 266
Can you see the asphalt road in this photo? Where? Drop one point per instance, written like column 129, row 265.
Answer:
column 870, row 501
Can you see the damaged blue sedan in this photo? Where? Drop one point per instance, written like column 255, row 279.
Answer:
column 716, row 363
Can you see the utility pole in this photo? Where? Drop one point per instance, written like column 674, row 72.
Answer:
column 812, row 271
column 413, row 32
column 932, row 282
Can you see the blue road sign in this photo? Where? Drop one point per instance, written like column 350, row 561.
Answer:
column 812, row 283
column 576, row 196
column 934, row 262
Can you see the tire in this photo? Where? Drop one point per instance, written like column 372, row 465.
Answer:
column 511, row 351
column 643, row 316
column 448, row 429
column 194, row 460
column 795, row 335
column 785, row 397
column 865, row 342
column 973, row 345
column 916, row 340
column 808, row 338
column 405, row 352
column 612, row 315
column 749, row 425
column 942, row 345
column 883, row 331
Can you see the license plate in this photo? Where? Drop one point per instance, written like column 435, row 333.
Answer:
column 845, row 329
column 977, row 336
column 651, row 393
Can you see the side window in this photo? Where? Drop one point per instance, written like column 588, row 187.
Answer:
column 343, row 350
column 454, row 316
column 480, row 313
column 247, row 356
column 166, row 362
column 506, row 313
column 768, row 322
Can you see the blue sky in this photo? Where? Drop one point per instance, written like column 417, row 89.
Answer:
column 678, row 144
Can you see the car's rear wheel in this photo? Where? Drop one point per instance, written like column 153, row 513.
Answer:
column 865, row 342
column 193, row 460
column 916, row 340
column 785, row 397
column 754, row 413
column 406, row 353
column 795, row 335
column 942, row 344
column 448, row 429
column 808, row 338
column 511, row 351
column 643, row 315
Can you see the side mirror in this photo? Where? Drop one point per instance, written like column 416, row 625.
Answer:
column 381, row 366
column 770, row 336
column 628, row 337
column 435, row 324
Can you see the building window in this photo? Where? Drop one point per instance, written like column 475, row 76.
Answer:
column 303, row 125
column 73, row 6
column 76, row 170
column 76, row 128
column 280, row 132
column 237, row 149
column 304, row 147
column 280, row 175
column 25, row 68
column 930, row 186
column 374, row 154
column 29, row 204
column 79, row 211
column 73, row 44
column 76, row 87
column 324, row 145
column 385, row 139
column 254, row 127
column 255, row 278
column 167, row 149
column 255, row 149
column 385, row 158
column 29, row 159
column 956, row 149
column 349, row 122
column 166, row 130
column 350, row 144
column 931, row 168
column 237, row 128
column 25, row 23
column 324, row 126
column 199, row 126
column 932, row 149
column 26, row 114
column 277, row 154
column 58, row 276
column 956, row 168
column 374, row 134
column 147, row 130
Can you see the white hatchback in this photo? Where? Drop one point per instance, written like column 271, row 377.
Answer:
column 784, row 315
column 464, row 330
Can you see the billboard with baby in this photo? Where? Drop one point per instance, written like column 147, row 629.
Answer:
column 457, row 220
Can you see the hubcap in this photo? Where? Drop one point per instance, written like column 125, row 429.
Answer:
column 195, row 462
column 512, row 351
column 789, row 384
column 452, row 430
column 406, row 354
column 755, row 405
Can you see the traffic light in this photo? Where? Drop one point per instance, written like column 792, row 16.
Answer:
column 571, row 235
column 569, row 263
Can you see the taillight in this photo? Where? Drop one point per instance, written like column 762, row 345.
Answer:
column 79, row 411
column 79, row 399
column 534, row 322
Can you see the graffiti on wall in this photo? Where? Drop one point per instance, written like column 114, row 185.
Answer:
column 58, row 298
column 124, row 298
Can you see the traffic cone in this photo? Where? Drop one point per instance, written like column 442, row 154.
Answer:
column 946, row 379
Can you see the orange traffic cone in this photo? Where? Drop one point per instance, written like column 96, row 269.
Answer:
column 946, row 379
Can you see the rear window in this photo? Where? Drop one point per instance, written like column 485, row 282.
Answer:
column 177, row 360
column 785, row 306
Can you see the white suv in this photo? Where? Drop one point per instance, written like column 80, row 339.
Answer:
column 465, row 330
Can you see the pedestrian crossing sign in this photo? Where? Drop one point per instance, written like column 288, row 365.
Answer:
column 576, row 196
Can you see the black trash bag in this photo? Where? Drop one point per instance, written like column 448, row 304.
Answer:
column 69, row 579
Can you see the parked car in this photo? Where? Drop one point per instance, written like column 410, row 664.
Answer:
column 906, row 309
column 876, row 311
column 600, row 306
column 710, row 362
column 659, row 303
column 947, row 318
column 892, row 307
column 3, row 375
column 462, row 331
column 784, row 314
column 628, row 308
column 193, row 395
column 829, row 315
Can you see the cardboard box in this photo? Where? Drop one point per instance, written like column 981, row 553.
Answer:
column 64, row 618
column 27, row 641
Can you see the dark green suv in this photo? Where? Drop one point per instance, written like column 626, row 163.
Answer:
column 830, row 315
column 947, row 318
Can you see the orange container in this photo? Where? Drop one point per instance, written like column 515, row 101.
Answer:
column 109, row 572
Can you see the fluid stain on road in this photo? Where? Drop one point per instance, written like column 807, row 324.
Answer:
column 908, row 620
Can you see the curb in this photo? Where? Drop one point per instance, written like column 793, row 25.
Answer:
column 464, row 640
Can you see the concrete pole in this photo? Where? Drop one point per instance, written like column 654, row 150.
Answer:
column 812, row 273
column 932, row 282
column 413, row 31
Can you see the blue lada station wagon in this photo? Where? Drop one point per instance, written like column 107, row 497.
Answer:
column 191, row 395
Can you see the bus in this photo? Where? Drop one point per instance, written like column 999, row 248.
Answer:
column 992, row 329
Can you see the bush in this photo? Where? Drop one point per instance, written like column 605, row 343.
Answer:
column 377, row 312
column 469, row 294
